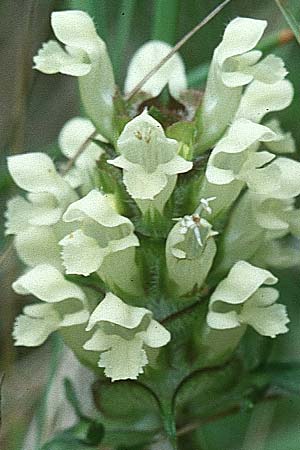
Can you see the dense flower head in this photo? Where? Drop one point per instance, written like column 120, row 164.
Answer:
column 130, row 200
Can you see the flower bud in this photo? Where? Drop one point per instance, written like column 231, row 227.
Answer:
column 190, row 251
column 145, row 59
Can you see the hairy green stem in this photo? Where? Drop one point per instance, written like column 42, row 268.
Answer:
column 169, row 424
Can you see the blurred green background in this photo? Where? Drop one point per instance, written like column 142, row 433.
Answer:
column 33, row 109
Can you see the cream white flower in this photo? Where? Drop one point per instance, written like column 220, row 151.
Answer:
column 285, row 142
column 149, row 161
column 65, row 305
column 190, row 251
column 145, row 59
column 261, row 98
column 73, row 135
column 104, row 242
column 233, row 157
column 240, row 300
column 85, row 56
column 278, row 254
column 234, row 161
column 234, row 65
column 254, row 223
column 36, row 220
column 124, row 334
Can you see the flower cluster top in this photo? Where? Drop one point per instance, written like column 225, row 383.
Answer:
column 131, row 184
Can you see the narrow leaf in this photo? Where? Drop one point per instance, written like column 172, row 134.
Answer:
column 291, row 11
column 72, row 397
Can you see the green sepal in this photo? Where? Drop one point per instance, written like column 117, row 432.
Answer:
column 85, row 435
column 183, row 132
column 254, row 349
column 153, row 224
column 185, row 197
column 109, row 180
column 121, row 113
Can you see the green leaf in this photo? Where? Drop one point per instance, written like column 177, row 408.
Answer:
column 126, row 400
column 85, row 435
column 291, row 11
column 123, row 33
column 95, row 433
column 208, row 389
column 165, row 20
column 128, row 438
column 56, row 352
column 66, row 441
column 284, row 375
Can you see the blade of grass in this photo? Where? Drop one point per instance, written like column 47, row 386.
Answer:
column 123, row 27
column 179, row 44
column 291, row 11
column 57, row 347
column 166, row 13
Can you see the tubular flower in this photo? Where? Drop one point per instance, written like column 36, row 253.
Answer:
column 85, row 56
column 36, row 221
column 123, row 334
column 234, row 162
column 149, row 161
column 228, row 74
column 65, row 305
column 240, row 300
column 103, row 241
column 257, row 222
